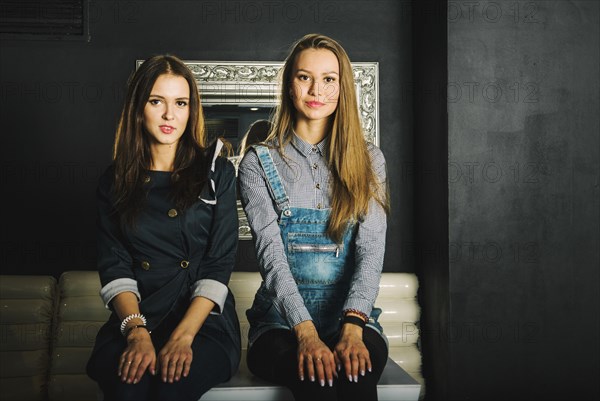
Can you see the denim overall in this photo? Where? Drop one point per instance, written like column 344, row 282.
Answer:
column 321, row 268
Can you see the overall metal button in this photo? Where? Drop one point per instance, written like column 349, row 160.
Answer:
column 145, row 265
column 146, row 179
column 318, row 205
column 287, row 213
column 318, row 186
column 172, row 213
column 184, row 264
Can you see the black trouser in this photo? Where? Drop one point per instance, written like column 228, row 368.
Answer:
column 273, row 357
column 210, row 366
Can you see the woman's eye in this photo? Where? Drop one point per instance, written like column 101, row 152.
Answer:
column 154, row 102
column 181, row 103
column 329, row 79
column 303, row 77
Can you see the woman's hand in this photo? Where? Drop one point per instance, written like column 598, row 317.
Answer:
column 352, row 352
column 138, row 356
column 175, row 359
column 314, row 355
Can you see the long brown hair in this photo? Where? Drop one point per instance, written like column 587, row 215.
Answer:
column 132, row 155
column 354, row 180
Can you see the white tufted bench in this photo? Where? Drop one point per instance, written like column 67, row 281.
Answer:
column 27, row 305
column 54, row 365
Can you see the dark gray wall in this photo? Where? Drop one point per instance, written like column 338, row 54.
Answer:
column 523, row 138
column 429, row 175
column 61, row 99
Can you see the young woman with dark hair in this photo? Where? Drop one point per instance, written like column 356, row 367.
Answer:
column 167, row 238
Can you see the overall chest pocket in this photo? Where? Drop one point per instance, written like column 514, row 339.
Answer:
column 315, row 259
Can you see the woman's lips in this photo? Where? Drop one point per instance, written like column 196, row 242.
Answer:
column 166, row 129
column 314, row 104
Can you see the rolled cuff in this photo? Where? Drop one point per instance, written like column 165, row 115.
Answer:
column 213, row 290
column 359, row 304
column 297, row 316
column 115, row 287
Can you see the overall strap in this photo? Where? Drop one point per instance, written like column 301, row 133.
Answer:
column 277, row 189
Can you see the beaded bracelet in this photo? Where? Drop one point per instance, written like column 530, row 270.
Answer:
column 129, row 318
column 362, row 315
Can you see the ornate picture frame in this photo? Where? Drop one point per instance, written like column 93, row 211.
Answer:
column 253, row 82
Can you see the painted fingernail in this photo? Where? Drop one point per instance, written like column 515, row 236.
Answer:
column 312, row 378
column 350, row 377
column 134, row 381
column 164, row 379
column 362, row 372
column 356, row 379
column 301, row 378
column 339, row 367
column 369, row 368
column 322, row 383
column 330, row 382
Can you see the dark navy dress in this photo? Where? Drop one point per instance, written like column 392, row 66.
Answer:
column 169, row 254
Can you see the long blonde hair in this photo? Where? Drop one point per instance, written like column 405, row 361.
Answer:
column 354, row 180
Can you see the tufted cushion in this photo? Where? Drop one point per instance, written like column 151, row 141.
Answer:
column 26, row 309
column 80, row 315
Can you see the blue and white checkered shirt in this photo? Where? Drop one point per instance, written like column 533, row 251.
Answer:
column 306, row 178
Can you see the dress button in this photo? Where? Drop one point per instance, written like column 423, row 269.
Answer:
column 184, row 264
column 172, row 213
column 314, row 166
column 145, row 265
column 146, row 179
column 314, row 149
column 287, row 212
column 318, row 205
column 318, row 186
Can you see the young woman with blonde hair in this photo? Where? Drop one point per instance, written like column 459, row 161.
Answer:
column 316, row 201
